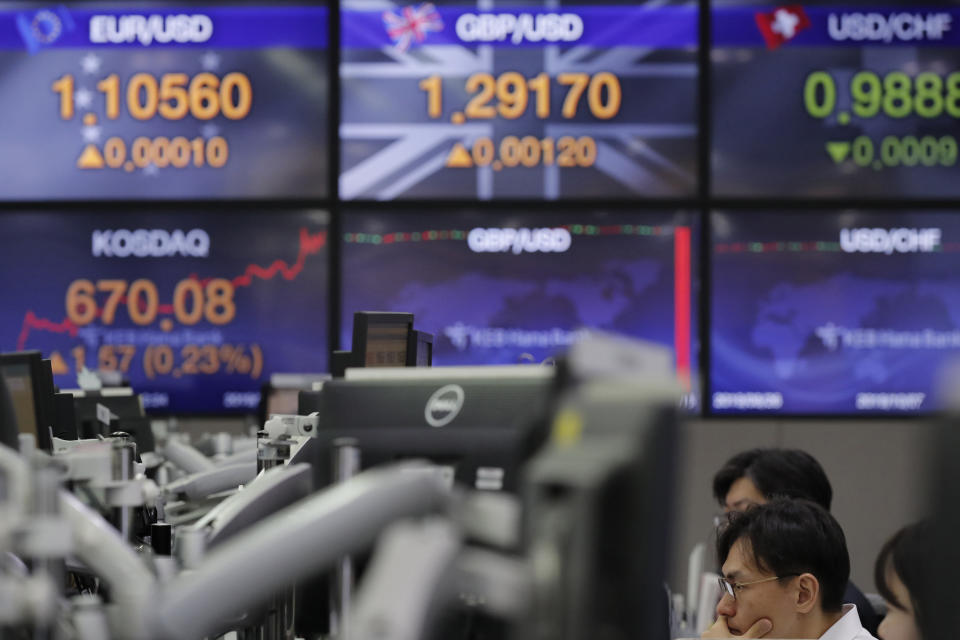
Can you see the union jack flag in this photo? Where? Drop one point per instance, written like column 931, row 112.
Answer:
column 412, row 23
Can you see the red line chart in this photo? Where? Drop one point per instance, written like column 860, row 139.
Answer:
column 310, row 244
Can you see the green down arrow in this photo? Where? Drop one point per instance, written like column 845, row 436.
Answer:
column 838, row 151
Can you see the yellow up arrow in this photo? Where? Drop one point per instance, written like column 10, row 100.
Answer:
column 91, row 158
column 459, row 157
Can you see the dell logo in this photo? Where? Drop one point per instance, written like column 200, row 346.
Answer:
column 444, row 405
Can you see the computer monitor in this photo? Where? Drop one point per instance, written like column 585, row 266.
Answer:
column 20, row 387
column 30, row 387
column 598, row 498
column 9, row 435
column 280, row 400
column 62, row 423
column 479, row 423
column 54, row 405
column 419, row 349
column 380, row 338
column 124, row 405
column 140, row 430
column 279, row 396
column 339, row 362
column 66, row 417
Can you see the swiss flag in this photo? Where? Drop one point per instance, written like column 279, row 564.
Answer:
column 782, row 24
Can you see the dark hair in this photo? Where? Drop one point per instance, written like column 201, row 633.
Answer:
column 908, row 554
column 789, row 536
column 787, row 473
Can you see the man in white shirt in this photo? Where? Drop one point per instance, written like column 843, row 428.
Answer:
column 785, row 568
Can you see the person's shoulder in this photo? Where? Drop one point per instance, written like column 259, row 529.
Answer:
column 868, row 615
column 862, row 632
column 848, row 627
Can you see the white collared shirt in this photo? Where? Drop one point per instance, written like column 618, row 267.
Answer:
column 848, row 627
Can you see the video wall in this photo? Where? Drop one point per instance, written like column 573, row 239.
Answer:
column 845, row 312
column 518, row 100
column 521, row 287
column 201, row 195
column 166, row 101
column 824, row 99
column 196, row 309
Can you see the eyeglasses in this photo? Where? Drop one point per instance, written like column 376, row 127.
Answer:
column 731, row 588
column 722, row 518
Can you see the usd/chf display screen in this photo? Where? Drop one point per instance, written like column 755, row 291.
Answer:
column 854, row 99
column 833, row 312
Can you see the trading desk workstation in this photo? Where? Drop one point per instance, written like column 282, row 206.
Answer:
column 394, row 502
column 397, row 502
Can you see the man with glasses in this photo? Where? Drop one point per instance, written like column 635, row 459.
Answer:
column 753, row 477
column 785, row 567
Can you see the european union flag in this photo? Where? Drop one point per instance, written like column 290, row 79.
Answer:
column 43, row 27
